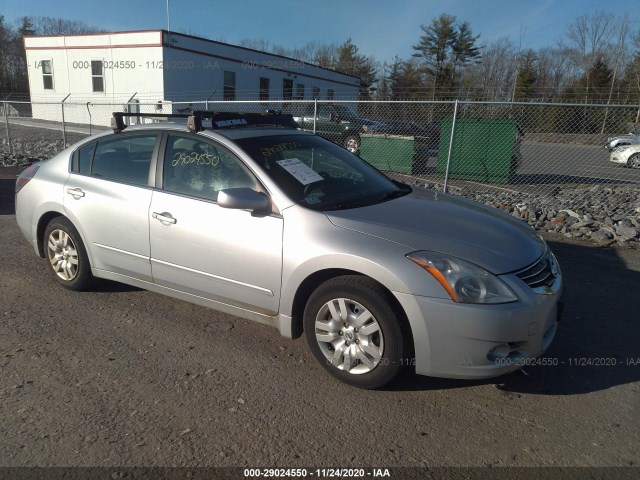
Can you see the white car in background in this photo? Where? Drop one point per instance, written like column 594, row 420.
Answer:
column 628, row 155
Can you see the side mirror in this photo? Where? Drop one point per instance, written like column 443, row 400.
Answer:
column 242, row 199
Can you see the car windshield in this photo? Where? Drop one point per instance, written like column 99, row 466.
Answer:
column 320, row 175
column 344, row 112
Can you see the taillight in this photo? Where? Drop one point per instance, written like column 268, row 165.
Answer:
column 26, row 175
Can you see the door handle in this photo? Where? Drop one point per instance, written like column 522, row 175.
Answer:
column 164, row 217
column 75, row 192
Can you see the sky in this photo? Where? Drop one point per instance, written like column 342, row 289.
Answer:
column 382, row 28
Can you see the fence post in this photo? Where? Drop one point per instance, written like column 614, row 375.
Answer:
column 64, row 125
column 89, row 110
column 315, row 113
column 6, row 124
column 453, row 131
column 64, row 128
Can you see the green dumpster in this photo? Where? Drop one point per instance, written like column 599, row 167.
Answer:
column 483, row 149
column 388, row 153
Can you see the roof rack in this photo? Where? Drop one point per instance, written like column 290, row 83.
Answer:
column 118, row 125
column 219, row 120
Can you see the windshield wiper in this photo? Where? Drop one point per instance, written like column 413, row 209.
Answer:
column 395, row 194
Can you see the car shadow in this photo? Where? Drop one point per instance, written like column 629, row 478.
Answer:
column 109, row 286
column 596, row 346
column 7, row 196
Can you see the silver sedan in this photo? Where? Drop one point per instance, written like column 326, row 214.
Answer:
column 280, row 226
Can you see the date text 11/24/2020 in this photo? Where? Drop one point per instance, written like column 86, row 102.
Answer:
column 572, row 362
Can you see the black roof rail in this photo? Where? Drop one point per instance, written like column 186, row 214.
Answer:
column 219, row 120
column 118, row 125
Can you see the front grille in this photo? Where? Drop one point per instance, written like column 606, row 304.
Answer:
column 541, row 274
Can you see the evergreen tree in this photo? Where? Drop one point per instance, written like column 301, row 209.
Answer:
column 383, row 90
column 526, row 79
column 395, row 79
column 445, row 46
column 352, row 62
column 21, row 78
column 599, row 79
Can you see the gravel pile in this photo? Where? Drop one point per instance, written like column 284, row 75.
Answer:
column 602, row 214
column 27, row 149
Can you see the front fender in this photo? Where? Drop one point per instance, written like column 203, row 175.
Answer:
column 318, row 245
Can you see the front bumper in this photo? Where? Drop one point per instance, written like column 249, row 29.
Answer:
column 454, row 340
column 616, row 157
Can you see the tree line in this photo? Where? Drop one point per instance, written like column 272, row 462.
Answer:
column 14, row 82
column 596, row 59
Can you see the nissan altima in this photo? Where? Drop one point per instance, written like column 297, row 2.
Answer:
column 249, row 215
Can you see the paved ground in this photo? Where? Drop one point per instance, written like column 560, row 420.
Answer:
column 122, row 377
column 557, row 163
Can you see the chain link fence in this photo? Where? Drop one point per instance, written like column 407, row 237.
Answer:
column 534, row 160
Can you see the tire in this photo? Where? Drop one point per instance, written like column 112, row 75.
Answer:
column 362, row 359
column 352, row 143
column 66, row 255
column 634, row 161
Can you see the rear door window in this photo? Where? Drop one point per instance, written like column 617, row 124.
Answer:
column 124, row 158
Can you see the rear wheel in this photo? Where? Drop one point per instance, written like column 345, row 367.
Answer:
column 66, row 255
column 634, row 161
column 354, row 332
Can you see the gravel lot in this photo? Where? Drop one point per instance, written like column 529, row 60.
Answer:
column 123, row 377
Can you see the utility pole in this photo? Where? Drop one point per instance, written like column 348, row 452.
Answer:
column 168, row 22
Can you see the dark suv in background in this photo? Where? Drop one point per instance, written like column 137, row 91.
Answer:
column 337, row 123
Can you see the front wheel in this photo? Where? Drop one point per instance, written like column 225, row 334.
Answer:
column 634, row 161
column 66, row 255
column 354, row 332
column 352, row 143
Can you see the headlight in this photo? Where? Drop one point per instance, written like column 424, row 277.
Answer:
column 620, row 149
column 462, row 280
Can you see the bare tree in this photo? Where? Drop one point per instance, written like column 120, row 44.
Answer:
column 620, row 54
column 555, row 72
column 261, row 44
column 587, row 40
column 494, row 74
column 62, row 26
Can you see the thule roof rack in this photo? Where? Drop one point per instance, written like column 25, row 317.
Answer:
column 219, row 120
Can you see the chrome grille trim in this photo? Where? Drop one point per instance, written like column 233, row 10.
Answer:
column 540, row 273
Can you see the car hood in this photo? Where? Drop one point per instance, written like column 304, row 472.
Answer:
column 630, row 136
column 428, row 220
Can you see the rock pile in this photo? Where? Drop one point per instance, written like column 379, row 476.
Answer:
column 29, row 149
column 604, row 214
